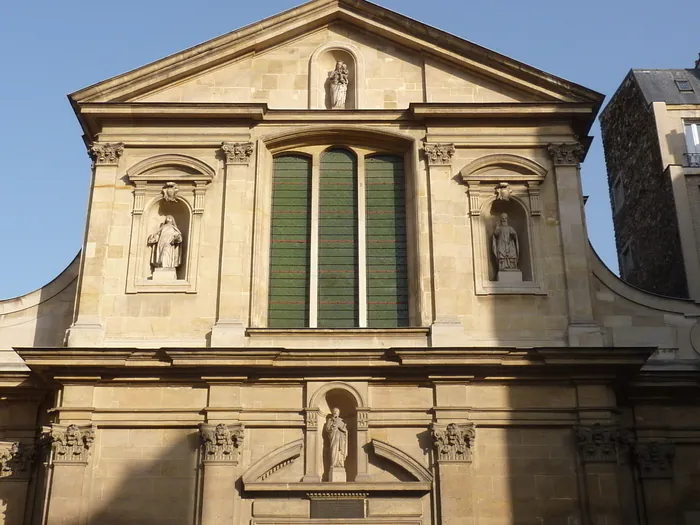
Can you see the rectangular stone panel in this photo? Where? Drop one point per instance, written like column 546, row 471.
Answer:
column 338, row 509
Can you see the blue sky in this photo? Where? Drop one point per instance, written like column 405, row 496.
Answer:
column 51, row 49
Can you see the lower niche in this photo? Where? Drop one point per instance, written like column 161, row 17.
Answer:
column 338, row 508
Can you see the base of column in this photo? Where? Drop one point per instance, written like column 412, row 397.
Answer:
column 82, row 335
column 445, row 331
column 337, row 475
column 228, row 333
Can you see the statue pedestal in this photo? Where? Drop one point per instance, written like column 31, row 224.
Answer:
column 337, row 475
column 161, row 275
column 510, row 276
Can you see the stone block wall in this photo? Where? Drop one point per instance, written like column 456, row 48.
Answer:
column 648, row 218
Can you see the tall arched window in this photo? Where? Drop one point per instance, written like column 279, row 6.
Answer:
column 338, row 244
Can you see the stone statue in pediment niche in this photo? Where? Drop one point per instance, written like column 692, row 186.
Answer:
column 166, row 247
column 339, row 80
column 505, row 245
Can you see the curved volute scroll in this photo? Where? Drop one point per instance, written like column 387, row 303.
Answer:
column 271, row 463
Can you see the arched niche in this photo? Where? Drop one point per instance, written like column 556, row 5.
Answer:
column 511, row 184
column 155, row 216
column 346, row 403
column 166, row 185
column 518, row 219
column 323, row 61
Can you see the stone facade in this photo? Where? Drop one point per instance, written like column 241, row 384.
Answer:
column 561, row 397
column 646, row 222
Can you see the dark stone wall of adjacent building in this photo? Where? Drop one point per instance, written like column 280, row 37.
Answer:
column 648, row 216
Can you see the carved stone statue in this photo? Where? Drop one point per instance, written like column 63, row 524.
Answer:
column 170, row 191
column 505, row 245
column 166, row 247
column 337, row 432
column 339, row 79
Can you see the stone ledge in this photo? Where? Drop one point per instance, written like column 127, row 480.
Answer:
column 371, row 488
column 335, row 332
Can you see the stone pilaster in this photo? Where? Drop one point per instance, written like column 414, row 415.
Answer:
column 88, row 329
column 314, row 445
column 599, row 448
column 654, row 461
column 438, row 158
column 221, row 446
column 453, row 446
column 71, row 446
column 566, row 158
column 239, row 197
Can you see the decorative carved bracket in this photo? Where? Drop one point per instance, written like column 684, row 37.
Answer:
column 362, row 418
column 312, row 415
column 221, row 443
column 598, row 443
column 105, row 153
column 454, row 442
column 568, row 154
column 238, row 152
column 439, row 154
column 16, row 460
column 655, row 459
column 71, row 443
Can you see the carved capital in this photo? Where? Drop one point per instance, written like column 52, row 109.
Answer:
column 71, row 443
column 312, row 416
column 221, row 443
column 568, row 154
column 106, row 153
column 598, row 443
column 238, row 152
column 439, row 154
column 453, row 442
column 655, row 459
column 362, row 419
column 16, row 459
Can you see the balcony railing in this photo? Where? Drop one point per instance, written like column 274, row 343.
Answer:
column 693, row 160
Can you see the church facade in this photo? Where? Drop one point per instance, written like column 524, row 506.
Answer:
column 336, row 271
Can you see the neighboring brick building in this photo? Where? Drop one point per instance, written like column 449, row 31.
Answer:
column 653, row 159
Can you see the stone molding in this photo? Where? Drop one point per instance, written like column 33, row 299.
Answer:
column 567, row 154
column 17, row 460
column 106, row 153
column 439, row 154
column 655, row 459
column 362, row 419
column 312, row 416
column 71, row 443
column 238, row 152
column 598, row 443
column 221, row 442
column 453, row 443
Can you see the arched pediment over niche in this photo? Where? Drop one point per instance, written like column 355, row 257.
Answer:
column 171, row 166
column 319, row 395
column 517, row 167
column 274, row 461
column 403, row 460
column 344, row 134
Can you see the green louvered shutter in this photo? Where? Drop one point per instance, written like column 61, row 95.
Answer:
column 337, row 252
column 290, row 243
column 387, row 270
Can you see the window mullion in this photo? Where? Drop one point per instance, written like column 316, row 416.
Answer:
column 362, row 241
column 313, row 282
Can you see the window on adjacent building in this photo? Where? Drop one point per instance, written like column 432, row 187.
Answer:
column 684, row 85
column 627, row 261
column 692, row 140
column 338, row 241
column 618, row 193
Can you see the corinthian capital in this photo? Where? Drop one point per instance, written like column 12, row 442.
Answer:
column 221, row 443
column 439, row 154
column 568, row 154
column 71, row 443
column 16, row 460
column 237, row 152
column 453, row 442
column 106, row 153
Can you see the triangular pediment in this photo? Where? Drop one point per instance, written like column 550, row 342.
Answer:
column 402, row 61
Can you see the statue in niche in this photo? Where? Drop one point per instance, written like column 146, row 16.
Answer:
column 339, row 79
column 337, row 432
column 505, row 245
column 166, row 245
